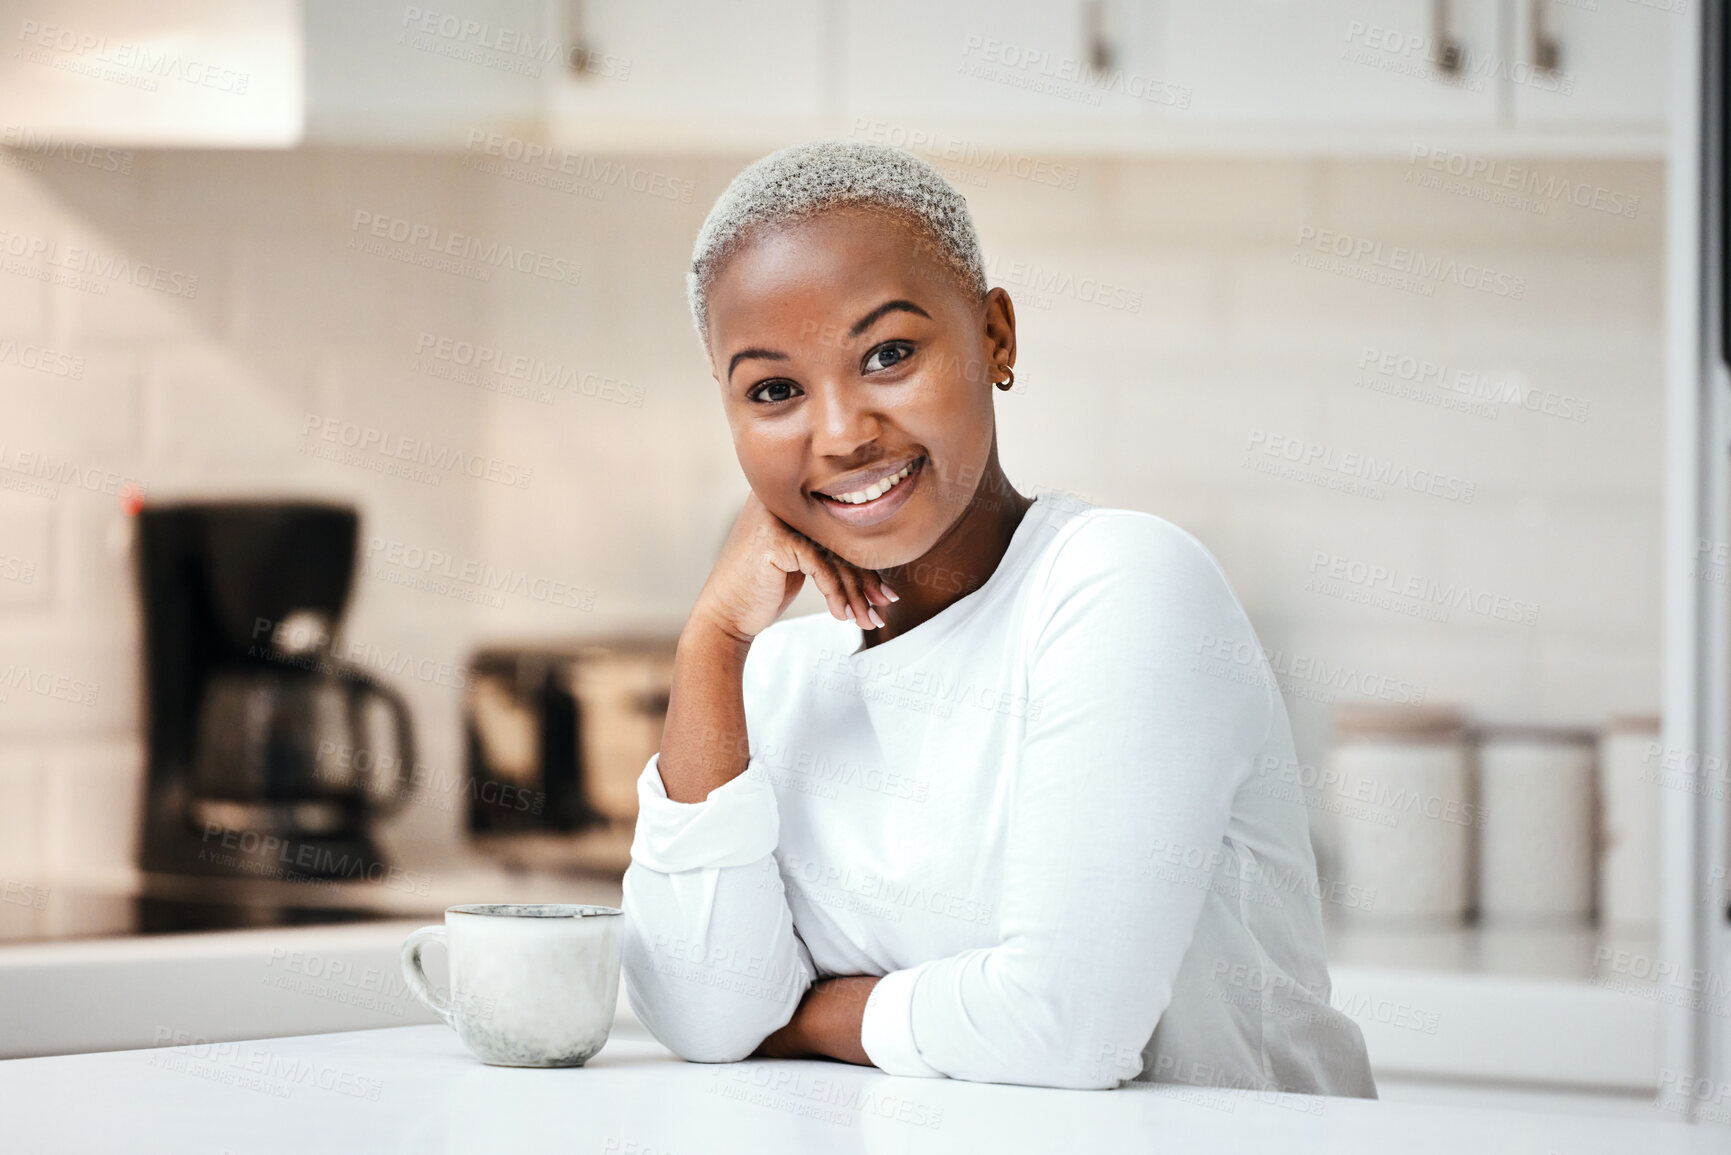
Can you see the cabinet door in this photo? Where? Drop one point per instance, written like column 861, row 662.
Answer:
column 427, row 74
column 697, row 59
column 1332, row 62
column 1000, row 60
column 1607, row 62
column 167, row 73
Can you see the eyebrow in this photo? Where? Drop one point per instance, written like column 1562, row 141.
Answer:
column 764, row 354
column 899, row 305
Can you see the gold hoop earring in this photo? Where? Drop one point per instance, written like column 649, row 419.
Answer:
column 1011, row 380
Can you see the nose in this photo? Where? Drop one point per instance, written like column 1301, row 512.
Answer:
column 844, row 417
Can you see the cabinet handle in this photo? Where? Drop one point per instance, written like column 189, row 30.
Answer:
column 1094, row 37
column 1547, row 53
column 1446, row 51
column 578, row 50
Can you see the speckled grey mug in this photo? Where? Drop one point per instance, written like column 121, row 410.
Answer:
column 532, row 985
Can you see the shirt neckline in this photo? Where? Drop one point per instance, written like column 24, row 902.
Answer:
column 944, row 620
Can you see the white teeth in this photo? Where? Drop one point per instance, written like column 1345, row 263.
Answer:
column 874, row 491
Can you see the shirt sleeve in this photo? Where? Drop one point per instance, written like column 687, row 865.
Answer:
column 1131, row 757
column 711, row 963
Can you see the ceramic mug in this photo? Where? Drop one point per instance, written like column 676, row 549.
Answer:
column 532, row 985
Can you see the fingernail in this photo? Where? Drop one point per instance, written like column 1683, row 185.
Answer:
column 850, row 616
column 892, row 595
column 875, row 617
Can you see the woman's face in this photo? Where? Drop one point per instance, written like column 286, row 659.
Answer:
column 847, row 349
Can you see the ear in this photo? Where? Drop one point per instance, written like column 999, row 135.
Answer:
column 999, row 335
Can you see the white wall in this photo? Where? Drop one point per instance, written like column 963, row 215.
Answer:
column 1151, row 407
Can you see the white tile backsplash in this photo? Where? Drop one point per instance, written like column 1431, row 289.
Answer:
column 1147, row 407
column 26, row 554
column 94, row 797
column 1209, row 204
column 21, row 811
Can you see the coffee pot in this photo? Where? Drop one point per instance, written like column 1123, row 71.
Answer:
column 299, row 749
column 268, row 755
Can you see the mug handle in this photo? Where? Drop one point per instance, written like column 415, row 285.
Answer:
column 363, row 685
column 417, row 978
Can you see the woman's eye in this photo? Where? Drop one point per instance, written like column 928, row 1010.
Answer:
column 755, row 390
column 886, row 355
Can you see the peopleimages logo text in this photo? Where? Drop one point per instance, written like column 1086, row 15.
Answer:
column 442, row 242
column 1374, row 579
column 152, row 57
column 100, row 267
column 1357, row 466
column 468, row 37
column 943, row 146
column 1509, row 389
column 1218, row 655
column 366, row 439
column 1538, row 186
column 1412, row 262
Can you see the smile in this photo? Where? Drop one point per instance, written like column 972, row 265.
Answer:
column 876, row 490
column 878, row 500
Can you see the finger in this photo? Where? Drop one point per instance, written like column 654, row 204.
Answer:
column 823, row 576
column 866, row 581
column 869, row 581
column 790, row 555
column 864, row 613
column 850, row 603
column 862, row 584
column 875, row 588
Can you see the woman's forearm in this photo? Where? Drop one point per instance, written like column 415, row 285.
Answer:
column 703, row 741
column 827, row 1023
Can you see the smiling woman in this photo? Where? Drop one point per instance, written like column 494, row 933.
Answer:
column 857, row 341
column 992, row 817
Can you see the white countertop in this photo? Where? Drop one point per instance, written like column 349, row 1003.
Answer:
column 416, row 1089
column 1497, row 1009
column 105, row 994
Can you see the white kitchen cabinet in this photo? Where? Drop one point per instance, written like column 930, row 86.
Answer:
column 1607, row 63
column 610, row 73
column 1329, row 63
column 168, row 72
column 1002, row 61
column 660, row 74
column 271, row 73
column 423, row 74
column 699, row 59
column 685, row 76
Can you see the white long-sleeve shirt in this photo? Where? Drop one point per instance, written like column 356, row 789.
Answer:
column 1058, row 818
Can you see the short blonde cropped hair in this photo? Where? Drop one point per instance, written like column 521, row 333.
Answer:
column 806, row 179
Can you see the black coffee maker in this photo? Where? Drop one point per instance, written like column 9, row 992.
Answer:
column 269, row 757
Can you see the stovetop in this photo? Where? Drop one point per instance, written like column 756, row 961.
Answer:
column 40, row 914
